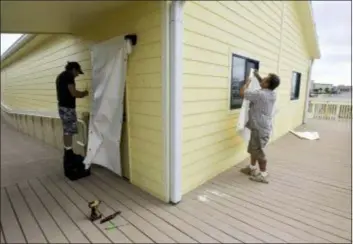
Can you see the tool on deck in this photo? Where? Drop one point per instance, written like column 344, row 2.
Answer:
column 95, row 213
column 110, row 217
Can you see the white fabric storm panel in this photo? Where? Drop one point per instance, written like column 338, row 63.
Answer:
column 109, row 63
column 244, row 110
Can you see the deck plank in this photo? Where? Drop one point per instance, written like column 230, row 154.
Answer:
column 215, row 219
column 46, row 222
column 165, row 227
column 253, row 233
column 300, row 193
column 69, row 228
column 2, row 238
column 306, row 201
column 255, row 222
column 88, row 229
column 105, row 208
column 9, row 222
column 29, row 224
column 157, row 208
column 114, row 235
column 144, row 220
column 204, row 227
column 232, row 176
column 251, row 211
column 280, row 199
column 291, row 218
column 126, row 213
column 236, row 178
column 291, row 206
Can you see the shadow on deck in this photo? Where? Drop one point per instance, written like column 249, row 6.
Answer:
column 308, row 199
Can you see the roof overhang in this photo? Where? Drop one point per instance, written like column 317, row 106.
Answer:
column 25, row 44
column 51, row 16
column 306, row 16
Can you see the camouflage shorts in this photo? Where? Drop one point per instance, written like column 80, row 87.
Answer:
column 69, row 120
column 257, row 144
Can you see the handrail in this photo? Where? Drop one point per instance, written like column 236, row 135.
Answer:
column 46, row 114
column 330, row 110
column 320, row 101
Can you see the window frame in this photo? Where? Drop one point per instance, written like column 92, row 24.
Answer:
column 298, row 80
column 247, row 61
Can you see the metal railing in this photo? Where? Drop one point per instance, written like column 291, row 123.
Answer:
column 46, row 126
column 330, row 110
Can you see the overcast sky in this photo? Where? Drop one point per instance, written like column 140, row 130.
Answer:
column 333, row 24
column 334, row 29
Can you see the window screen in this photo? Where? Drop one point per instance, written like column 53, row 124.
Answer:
column 295, row 86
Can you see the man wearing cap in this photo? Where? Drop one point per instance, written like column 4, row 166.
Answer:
column 66, row 95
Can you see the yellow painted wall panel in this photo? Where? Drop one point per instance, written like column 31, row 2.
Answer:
column 30, row 82
column 195, row 120
column 144, row 81
column 143, row 87
column 210, row 139
column 194, row 94
column 198, row 81
column 205, row 106
column 213, row 30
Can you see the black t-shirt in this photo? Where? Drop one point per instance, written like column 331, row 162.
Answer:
column 65, row 99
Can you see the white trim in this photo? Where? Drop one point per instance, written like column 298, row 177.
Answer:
column 176, row 99
column 165, row 6
column 307, row 97
column 231, row 111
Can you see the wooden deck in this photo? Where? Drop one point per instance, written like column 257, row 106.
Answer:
column 307, row 201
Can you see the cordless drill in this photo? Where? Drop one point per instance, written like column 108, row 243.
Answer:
column 95, row 214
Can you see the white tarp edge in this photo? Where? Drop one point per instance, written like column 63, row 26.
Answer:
column 244, row 110
column 109, row 64
column 308, row 135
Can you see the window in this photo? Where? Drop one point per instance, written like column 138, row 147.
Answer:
column 295, row 87
column 240, row 71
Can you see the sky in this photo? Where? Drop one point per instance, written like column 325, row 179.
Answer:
column 334, row 29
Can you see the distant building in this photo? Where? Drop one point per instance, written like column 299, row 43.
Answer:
column 321, row 86
column 343, row 88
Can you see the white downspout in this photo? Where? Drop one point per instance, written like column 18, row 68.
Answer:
column 176, row 99
column 307, row 98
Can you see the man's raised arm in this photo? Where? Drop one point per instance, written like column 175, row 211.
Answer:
column 256, row 74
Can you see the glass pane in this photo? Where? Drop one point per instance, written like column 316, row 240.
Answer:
column 251, row 65
column 293, row 85
column 238, row 78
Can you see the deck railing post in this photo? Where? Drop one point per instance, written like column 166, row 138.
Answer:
column 338, row 108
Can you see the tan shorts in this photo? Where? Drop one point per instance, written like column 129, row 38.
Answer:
column 257, row 144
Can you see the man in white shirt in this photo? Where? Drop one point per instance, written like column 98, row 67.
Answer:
column 262, row 103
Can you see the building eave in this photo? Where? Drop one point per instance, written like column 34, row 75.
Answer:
column 24, row 45
column 305, row 12
column 314, row 37
column 23, row 40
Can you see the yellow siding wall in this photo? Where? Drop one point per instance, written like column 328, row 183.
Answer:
column 293, row 57
column 212, row 31
column 30, row 83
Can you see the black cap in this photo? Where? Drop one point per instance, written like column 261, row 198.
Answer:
column 74, row 65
